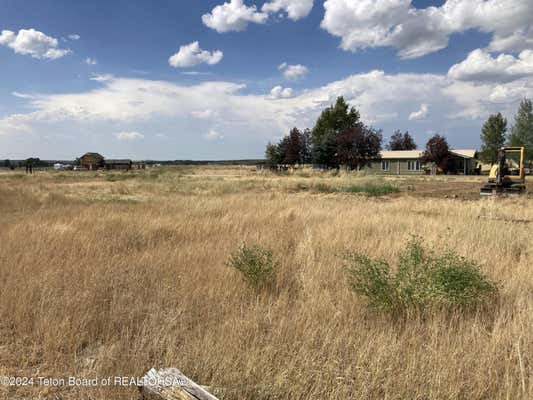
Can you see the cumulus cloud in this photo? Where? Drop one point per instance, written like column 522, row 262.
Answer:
column 90, row 61
column 421, row 114
column 295, row 9
column 213, row 135
column 417, row 32
column 129, row 136
column 233, row 16
column 74, row 36
column 480, row 65
column 293, row 72
column 279, row 92
column 191, row 54
column 251, row 120
column 33, row 43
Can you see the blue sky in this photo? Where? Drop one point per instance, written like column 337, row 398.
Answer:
column 219, row 79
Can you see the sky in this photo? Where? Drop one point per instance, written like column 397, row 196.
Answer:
column 215, row 79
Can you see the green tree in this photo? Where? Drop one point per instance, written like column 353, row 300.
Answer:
column 331, row 122
column 272, row 154
column 493, row 135
column 522, row 131
column 7, row 163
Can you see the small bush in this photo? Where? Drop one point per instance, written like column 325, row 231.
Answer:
column 372, row 189
column 256, row 265
column 423, row 280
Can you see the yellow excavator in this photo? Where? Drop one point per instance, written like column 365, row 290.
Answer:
column 507, row 176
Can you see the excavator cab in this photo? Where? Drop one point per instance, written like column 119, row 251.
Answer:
column 507, row 176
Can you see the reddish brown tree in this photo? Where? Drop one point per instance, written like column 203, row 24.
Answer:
column 293, row 151
column 401, row 141
column 438, row 152
column 358, row 146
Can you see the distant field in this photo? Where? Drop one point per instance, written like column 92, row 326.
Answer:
column 112, row 273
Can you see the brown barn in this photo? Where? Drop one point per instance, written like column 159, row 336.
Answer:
column 117, row 164
column 92, row 161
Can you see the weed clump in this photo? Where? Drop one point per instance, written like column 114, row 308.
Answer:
column 256, row 265
column 423, row 280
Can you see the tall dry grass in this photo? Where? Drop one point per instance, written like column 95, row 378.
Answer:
column 110, row 277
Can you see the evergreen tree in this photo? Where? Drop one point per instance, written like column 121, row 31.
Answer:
column 331, row 122
column 493, row 135
column 522, row 131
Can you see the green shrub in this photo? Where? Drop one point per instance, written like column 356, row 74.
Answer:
column 372, row 189
column 422, row 280
column 256, row 265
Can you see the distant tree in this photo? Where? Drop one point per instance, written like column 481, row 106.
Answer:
column 293, row 150
column 332, row 121
column 522, row 131
column 437, row 152
column 401, row 141
column 493, row 134
column 7, row 163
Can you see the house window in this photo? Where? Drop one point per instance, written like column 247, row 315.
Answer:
column 385, row 165
column 413, row 165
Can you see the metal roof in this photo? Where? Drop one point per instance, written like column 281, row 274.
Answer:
column 415, row 154
column 466, row 153
column 401, row 154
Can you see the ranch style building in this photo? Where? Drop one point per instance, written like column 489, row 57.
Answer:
column 409, row 162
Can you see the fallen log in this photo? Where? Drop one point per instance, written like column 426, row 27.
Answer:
column 171, row 384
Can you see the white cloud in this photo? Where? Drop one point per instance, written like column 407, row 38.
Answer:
column 22, row 95
column 233, row 16
column 213, row 135
column 417, row 32
column 129, row 136
column 33, row 43
column 421, row 114
column 295, row 9
column 101, row 77
column 74, row 36
column 278, row 92
column 191, row 54
column 480, row 65
column 196, row 73
column 250, row 120
column 90, row 61
column 293, row 72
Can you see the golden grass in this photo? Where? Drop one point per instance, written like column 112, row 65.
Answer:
column 110, row 276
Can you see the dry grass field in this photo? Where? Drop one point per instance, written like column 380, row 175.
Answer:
column 110, row 274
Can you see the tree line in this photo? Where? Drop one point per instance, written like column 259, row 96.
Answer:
column 340, row 138
column 494, row 133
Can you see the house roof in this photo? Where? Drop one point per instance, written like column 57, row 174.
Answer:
column 92, row 154
column 415, row 154
column 401, row 154
column 465, row 153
